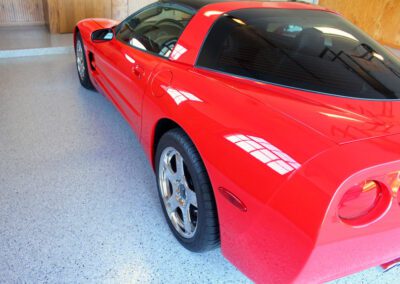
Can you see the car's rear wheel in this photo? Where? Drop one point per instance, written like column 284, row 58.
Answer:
column 81, row 63
column 185, row 192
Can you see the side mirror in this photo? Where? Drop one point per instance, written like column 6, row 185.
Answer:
column 102, row 35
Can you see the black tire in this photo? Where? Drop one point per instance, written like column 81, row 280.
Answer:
column 83, row 76
column 206, row 235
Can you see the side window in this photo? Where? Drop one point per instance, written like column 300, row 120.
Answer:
column 155, row 29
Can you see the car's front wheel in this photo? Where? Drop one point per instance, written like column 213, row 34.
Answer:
column 185, row 192
column 81, row 63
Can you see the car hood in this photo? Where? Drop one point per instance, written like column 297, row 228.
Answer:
column 105, row 23
column 340, row 119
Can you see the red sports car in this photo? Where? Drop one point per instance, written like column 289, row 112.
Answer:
column 273, row 129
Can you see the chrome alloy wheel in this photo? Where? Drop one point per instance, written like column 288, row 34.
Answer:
column 80, row 60
column 177, row 192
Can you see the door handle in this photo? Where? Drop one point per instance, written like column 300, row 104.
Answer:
column 138, row 71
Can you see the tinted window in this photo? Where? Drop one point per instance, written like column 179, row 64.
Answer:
column 155, row 29
column 312, row 50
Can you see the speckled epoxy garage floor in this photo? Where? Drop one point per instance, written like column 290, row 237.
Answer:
column 77, row 197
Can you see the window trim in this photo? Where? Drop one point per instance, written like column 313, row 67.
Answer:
column 203, row 68
column 179, row 7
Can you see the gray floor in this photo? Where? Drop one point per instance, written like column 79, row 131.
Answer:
column 23, row 37
column 77, row 197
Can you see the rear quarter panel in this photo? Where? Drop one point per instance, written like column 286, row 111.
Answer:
column 218, row 112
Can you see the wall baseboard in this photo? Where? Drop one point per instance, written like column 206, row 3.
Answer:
column 35, row 52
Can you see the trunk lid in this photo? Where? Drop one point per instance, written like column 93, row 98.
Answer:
column 340, row 119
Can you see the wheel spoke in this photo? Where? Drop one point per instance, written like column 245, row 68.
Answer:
column 191, row 197
column 172, row 204
column 187, row 223
column 180, row 173
column 170, row 175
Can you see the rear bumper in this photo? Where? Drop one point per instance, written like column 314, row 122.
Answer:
column 281, row 253
column 391, row 264
column 331, row 261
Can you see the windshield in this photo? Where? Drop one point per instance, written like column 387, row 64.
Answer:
column 303, row 49
column 155, row 29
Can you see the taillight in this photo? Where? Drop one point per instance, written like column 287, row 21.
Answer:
column 368, row 201
column 393, row 180
column 360, row 200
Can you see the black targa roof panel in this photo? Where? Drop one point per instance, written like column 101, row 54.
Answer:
column 197, row 4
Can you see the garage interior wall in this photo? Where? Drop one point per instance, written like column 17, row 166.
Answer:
column 61, row 15
column 122, row 8
column 21, row 12
column 379, row 18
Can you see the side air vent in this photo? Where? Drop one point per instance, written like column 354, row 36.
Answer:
column 92, row 63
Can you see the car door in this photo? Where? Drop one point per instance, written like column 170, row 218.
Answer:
column 141, row 42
